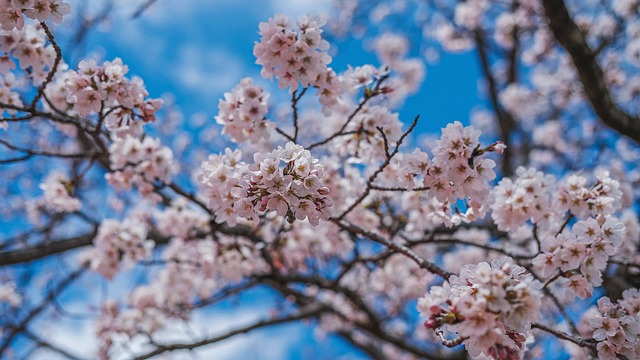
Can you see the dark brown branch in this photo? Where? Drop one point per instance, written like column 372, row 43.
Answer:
column 53, row 70
column 506, row 122
column 559, row 334
column 369, row 94
column 32, row 152
column 591, row 74
column 43, row 250
column 423, row 263
column 42, row 343
column 286, row 136
column 373, row 176
column 17, row 329
column 142, row 8
column 294, row 107
column 303, row 314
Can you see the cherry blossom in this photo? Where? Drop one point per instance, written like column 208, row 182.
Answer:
column 118, row 242
column 295, row 191
column 490, row 307
column 242, row 112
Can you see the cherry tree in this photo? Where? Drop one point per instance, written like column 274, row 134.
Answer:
column 515, row 236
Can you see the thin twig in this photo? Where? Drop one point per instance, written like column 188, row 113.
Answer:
column 373, row 176
column 303, row 314
column 423, row 263
column 54, row 69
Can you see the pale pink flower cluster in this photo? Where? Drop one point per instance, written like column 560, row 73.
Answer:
column 390, row 47
column 469, row 14
column 398, row 281
column 57, row 194
column 450, row 37
column 489, row 306
column 297, row 55
column 139, row 162
column 580, row 254
column 194, row 270
column 11, row 12
column 235, row 189
column 616, row 326
column 367, row 142
column 8, row 83
column 539, row 198
column 603, row 198
column 361, row 76
column 346, row 314
column 9, row 295
column 521, row 101
column 221, row 176
column 292, row 55
column 392, row 50
column 28, row 47
column 409, row 168
column 106, row 91
column 114, row 324
column 303, row 242
column 459, row 172
column 181, row 220
column 242, row 113
column 625, row 8
column 118, row 242
column 527, row 197
column 630, row 239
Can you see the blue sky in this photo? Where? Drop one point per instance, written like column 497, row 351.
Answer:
column 199, row 49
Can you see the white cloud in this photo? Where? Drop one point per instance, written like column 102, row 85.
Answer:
column 265, row 344
column 209, row 70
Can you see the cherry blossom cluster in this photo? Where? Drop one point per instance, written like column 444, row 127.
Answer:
column 410, row 167
column 195, row 269
column 8, row 96
column 530, row 196
column 181, row 220
column 297, row 55
column 114, row 323
column 459, row 172
column 235, row 189
column 242, row 113
column 603, row 198
column 489, row 306
column 302, row 242
column 27, row 46
column 392, row 50
column 580, row 255
column 116, row 242
column 139, row 162
column 106, row 91
column 9, row 295
column 361, row 76
column 630, row 239
column 615, row 326
column 11, row 12
column 221, row 176
column 394, row 283
column 346, row 312
column 368, row 143
column 58, row 195
column 527, row 197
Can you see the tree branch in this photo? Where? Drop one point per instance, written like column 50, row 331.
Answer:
column 303, row 314
column 591, row 74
